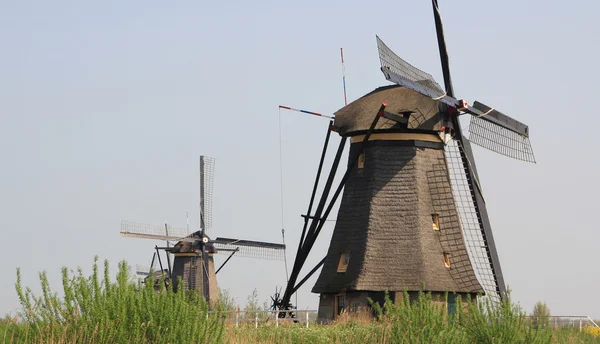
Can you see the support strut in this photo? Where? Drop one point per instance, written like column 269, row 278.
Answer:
column 314, row 192
column 319, row 220
column 308, row 275
column 226, row 260
column 161, row 266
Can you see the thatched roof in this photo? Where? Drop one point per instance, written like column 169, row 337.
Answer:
column 358, row 115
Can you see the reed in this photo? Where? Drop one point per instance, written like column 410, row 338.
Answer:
column 96, row 309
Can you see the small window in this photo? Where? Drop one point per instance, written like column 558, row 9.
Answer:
column 451, row 304
column 341, row 303
column 361, row 160
column 343, row 264
column 435, row 218
column 447, row 260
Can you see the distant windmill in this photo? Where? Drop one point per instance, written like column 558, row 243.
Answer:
column 412, row 215
column 194, row 263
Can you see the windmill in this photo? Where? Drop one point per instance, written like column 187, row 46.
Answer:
column 412, row 216
column 194, row 263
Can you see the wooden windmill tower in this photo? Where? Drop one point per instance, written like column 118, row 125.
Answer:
column 412, row 216
column 193, row 253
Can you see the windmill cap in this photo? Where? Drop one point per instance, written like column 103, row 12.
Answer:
column 356, row 117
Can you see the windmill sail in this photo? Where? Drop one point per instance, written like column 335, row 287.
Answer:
column 251, row 249
column 245, row 248
column 207, row 175
column 142, row 270
column 501, row 134
column 490, row 128
column 488, row 274
column 398, row 71
column 147, row 231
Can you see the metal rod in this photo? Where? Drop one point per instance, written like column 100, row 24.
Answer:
column 317, row 224
column 316, row 184
column 344, row 76
column 161, row 266
column 226, row 260
column 167, row 253
column 168, row 263
column 167, row 234
column 353, row 162
column 308, row 275
column 287, row 274
column 152, row 262
column 439, row 27
column 305, row 111
column 301, row 257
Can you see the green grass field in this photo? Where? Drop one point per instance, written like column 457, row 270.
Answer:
column 96, row 309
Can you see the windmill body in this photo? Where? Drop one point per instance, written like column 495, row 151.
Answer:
column 412, row 215
column 397, row 228
column 189, row 270
column 193, row 263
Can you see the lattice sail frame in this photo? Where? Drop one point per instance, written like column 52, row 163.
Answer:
column 144, row 270
column 389, row 60
column 500, row 140
column 490, row 128
column 471, row 225
column 265, row 253
column 147, row 231
column 207, row 173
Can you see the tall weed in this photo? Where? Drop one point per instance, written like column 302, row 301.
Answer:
column 503, row 322
column 99, row 310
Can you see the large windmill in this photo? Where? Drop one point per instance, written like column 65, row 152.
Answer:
column 412, row 215
column 193, row 263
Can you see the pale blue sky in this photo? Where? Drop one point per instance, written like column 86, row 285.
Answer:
column 105, row 108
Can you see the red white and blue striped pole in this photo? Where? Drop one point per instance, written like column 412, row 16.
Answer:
column 304, row 111
column 344, row 76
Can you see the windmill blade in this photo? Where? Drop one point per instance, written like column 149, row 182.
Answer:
column 404, row 74
column 479, row 242
column 466, row 189
column 400, row 72
column 156, row 232
column 207, row 175
column 499, row 133
column 142, row 270
column 490, row 128
column 250, row 249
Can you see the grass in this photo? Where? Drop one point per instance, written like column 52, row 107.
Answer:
column 95, row 310
column 99, row 310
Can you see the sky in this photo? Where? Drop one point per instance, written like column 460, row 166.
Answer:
column 106, row 106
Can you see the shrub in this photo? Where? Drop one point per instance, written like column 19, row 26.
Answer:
column 421, row 321
column 105, row 311
column 540, row 317
column 503, row 322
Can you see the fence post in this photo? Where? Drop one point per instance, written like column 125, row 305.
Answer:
column 580, row 325
column 256, row 321
column 237, row 316
column 277, row 319
column 307, row 318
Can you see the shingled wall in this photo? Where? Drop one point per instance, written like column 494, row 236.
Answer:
column 385, row 223
column 189, row 268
